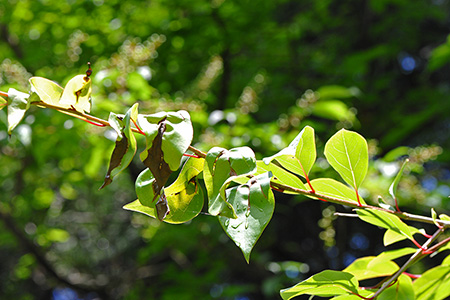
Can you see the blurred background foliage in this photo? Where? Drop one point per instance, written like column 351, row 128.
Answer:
column 249, row 74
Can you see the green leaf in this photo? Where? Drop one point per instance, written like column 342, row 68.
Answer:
column 433, row 284
column 125, row 147
column 48, row 91
column 333, row 188
column 363, row 268
column 176, row 133
column 333, row 110
column 444, row 217
column 390, row 256
column 446, row 261
column 77, row 93
column 145, row 189
column 393, row 187
column 325, row 284
column 347, row 153
column 385, row 220
column 280, row 175
column 18, row 104
column 391, row 236
column 221, row 167
column 402, row 289
column 254, row 205
column 337, row 91
column 184, row 196
column 300, row 155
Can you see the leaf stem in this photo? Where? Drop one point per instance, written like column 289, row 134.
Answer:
column 4, row 94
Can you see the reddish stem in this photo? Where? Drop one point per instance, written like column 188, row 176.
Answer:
column 190, row 155
column 137, row 127
column 413, row 276
column 426, row 235
column 96, row 124
column 396, row 205
column 4, row 94
column 357, row 197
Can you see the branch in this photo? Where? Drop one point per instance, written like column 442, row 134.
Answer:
column 419, row 254
column 274, row 185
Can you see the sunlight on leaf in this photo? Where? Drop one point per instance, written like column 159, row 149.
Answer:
column 347, row 153
column 254, row 204
column 325, row 284
column 77, row 93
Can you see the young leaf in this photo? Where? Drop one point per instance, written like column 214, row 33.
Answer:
column 333, row 188
column 221, row 167
column 184, row 196
column 385, row 220
column 300, row 155
column 363, row 268
column 347, row 153
column 254, row 204
column 433, row 284
column 393, row 187
column 390, row 256
column 391, row 236
column 402, row 289
column 125, row 147
column 327, row 283
column 47, row 90
column 175, row 132
column 18, row 104
column 77, row 93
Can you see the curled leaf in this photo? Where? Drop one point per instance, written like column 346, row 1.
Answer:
column 221, row 167
column 300, row 155
column 125, row 147
column 48, row 91
column 77, row 93
column 18, row 104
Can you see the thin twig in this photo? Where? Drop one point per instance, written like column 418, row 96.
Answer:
column 413, row 259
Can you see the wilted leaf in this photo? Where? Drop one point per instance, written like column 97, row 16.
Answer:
column 327, row 283
column 300, row 155
column 175, row 133
column 184, row 196
column 254, row 205
column 155, row 160
column 125, row 147
column 77, row 93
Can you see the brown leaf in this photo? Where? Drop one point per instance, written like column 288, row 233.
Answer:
column 116, row 158
column 155, row 160
column 162, row 207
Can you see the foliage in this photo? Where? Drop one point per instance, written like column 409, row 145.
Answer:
column 248, row 76
column 244, row 210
